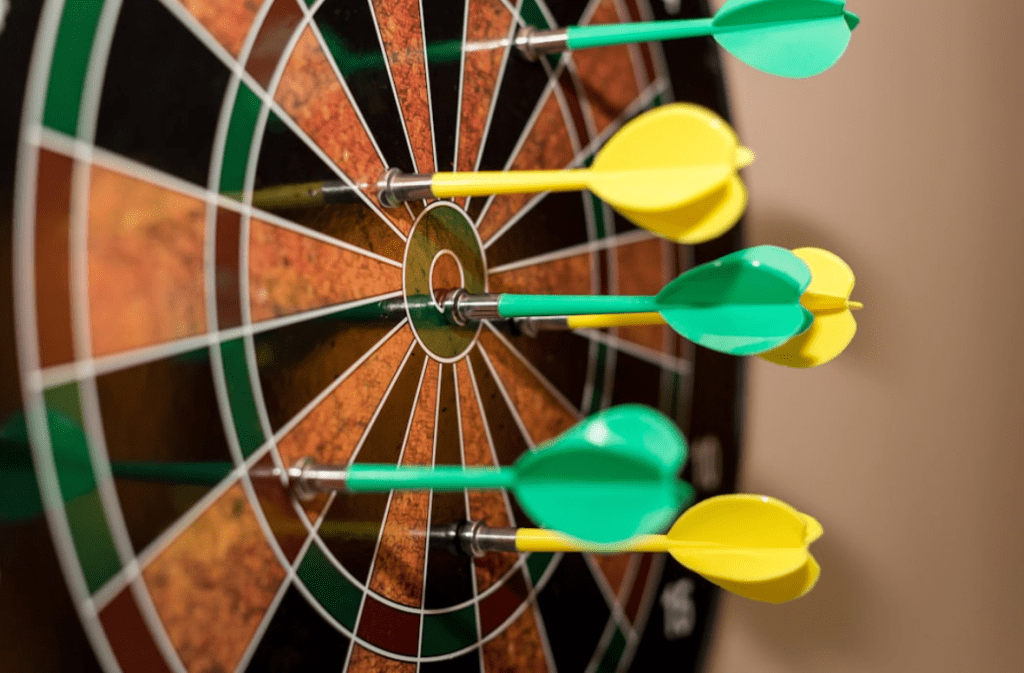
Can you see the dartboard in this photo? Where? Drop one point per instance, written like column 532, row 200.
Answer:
column 169, row 312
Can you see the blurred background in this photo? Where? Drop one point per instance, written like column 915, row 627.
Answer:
column 905, row 160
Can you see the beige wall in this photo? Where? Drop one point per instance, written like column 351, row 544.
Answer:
column 907, row 159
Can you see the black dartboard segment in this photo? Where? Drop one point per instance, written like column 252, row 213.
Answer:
column 167, row 315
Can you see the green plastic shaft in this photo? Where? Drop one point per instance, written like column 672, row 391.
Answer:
column 440, row 478
column 582, row 37
column 526, row 305
column 200, row 474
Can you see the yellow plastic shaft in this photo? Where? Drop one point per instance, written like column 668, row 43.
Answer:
column 485, row 183
column 614, row 320
column 539, row 539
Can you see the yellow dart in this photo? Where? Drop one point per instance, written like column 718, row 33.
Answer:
column 827, row 298
column 672, row 170
column 751, row 545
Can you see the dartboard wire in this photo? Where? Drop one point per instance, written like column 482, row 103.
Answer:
column 544, row 381
column 387, row 508
column 643, row 612
column 219, row 376
column 26, row 326
column 639, row 73
column 640, row 103
column 315, row 28
column 607, row 592
column 462, row 83
column 531, row 121
column 490, row 445
column 508, row 400
column 289, row 425
column 391, row 79
column 259, row 129
column 151, row 551
column 82, row 337
column 581, row 96
column 657, row 53
column 666, row 361
column 287, row 224
column 465, row 493
column 81, row 150
column 602, row 645
column 430, row 513
column 590, row 383
column 430, row 98
column 105, row 364
column 538, row 618
column 328, row 554
column 497, row 84
column 592, row 246
column 238, row 71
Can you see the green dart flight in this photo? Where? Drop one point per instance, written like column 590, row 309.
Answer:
column 744, row 303
column 610, row 477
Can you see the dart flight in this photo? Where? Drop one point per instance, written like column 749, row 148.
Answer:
column 744, row 303
column 788, row 38
column 827, row 298
column 672, row 171
column 608, row 478
column 754, row 543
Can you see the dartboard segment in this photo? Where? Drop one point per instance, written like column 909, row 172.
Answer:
column 397, row 572
column 400, row 31
column 313, row 94
column 488, row 22
column 52, row 259
column 548, row 144
column 145, row 256
column 330, row 431
column 228, row 21
column 210, row 603
column 606, row 74
column 290, row 272
column 542, row 410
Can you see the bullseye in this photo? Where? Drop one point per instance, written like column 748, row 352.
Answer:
column 445, row 275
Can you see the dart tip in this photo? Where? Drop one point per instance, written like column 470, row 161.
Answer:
column 744, row 157
column 855, row 305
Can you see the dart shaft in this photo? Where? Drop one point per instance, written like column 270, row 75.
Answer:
column 584, row 37
column 310, row 478
column 522, row 305
column 613, row 320
column 541, row 540
column 485, row 183
column 201, row 474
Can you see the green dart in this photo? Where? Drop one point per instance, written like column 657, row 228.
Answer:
column 19, row 494
column 608, row 478
column 744, row 303
column 788, row 38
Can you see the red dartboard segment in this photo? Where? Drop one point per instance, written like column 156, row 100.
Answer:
column 252, row 316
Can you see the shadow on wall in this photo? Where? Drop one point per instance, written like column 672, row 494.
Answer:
column 838, row 619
